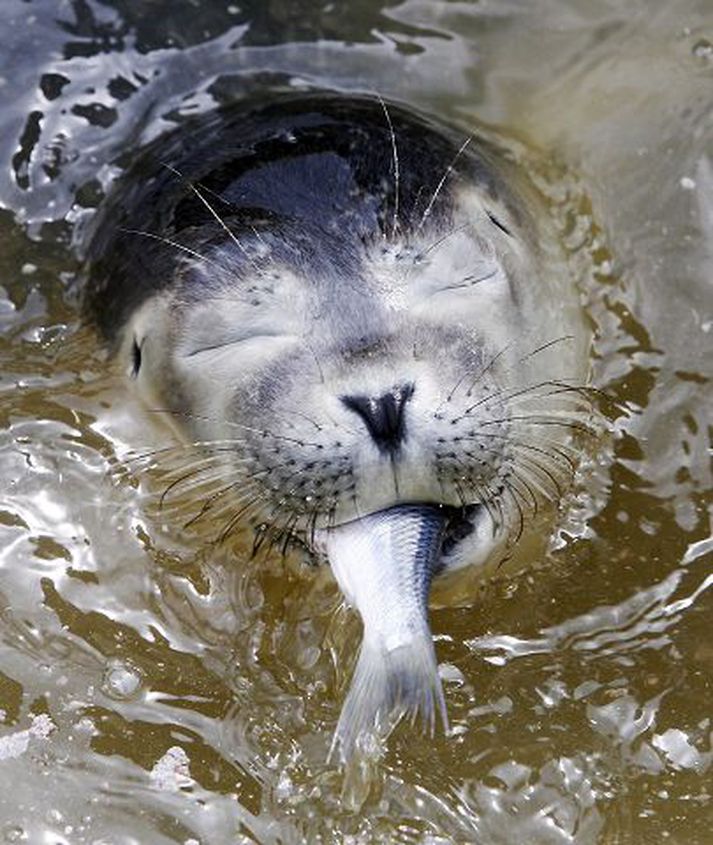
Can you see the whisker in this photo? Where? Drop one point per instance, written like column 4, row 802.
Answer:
column 205, row 465
column 488, row 501
column 244, row 485
column 488, row 367
column 218, row 218
column 249, row 495
column 395, row 164
column 571, row 465
column 237, row 515
column 263, row 432
column 503, row 394
column 208, row 504
column 275, row 534
column 527, row 483
column 459, row 490
column 526, row 472
column 439, row 186
column 311, row 526
column 181, row 447
column 584, row 390
column 575, row 425
column 533, row 506
column 291, row 534
column 561, row 339
column 190, row 474
column 179, row 246
column 220, row 197
column 465, row 375
column 429, row 249
column 471, row 483
column 551, row 444
column 470, row 281
column 521, row 517
column 332, row 513
column 497, row 503
column 261, row 535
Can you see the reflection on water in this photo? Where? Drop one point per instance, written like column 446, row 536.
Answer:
column 156, row 688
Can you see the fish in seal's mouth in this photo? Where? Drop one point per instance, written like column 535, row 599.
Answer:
column 384, row 564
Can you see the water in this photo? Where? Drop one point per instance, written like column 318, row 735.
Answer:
column 156, row 689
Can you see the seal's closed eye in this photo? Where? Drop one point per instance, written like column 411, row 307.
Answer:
column 498, row 223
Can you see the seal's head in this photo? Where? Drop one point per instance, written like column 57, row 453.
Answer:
column 356, row 310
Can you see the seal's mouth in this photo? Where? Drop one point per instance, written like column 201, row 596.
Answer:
column 458, row 523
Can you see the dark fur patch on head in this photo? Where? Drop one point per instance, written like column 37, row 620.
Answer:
column 306, row 168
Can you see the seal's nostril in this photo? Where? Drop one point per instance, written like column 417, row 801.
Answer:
column 383, row 415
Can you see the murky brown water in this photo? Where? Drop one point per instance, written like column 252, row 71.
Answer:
column 156, row 689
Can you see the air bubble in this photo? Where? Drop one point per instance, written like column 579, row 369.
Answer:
column 121, row 680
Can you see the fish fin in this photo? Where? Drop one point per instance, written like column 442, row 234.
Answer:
column 387, row 685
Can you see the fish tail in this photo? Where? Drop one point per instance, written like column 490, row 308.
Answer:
column 387, row 685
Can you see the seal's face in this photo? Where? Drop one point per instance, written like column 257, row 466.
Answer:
column 348, row 308
column 338, row 383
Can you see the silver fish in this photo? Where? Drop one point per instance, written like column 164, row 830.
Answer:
column 384, row 564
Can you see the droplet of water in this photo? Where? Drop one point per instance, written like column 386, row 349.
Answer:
column 703, row 50
column 284, row 787
column 121, row 680
column 172, row 771
column 451, row 674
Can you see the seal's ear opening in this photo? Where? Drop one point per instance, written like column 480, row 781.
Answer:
column 135, row 358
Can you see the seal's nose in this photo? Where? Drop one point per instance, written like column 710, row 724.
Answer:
column 383, row 416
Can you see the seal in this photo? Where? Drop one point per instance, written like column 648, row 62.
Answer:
column 362, row 321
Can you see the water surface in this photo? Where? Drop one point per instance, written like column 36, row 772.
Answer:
column 156, row 688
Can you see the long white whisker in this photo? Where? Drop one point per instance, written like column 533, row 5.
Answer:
column 217, row 218
column 181, row 247
column 218, row 196
column 395, row 159
column 439, row 186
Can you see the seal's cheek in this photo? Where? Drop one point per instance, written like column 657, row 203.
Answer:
column 213, row 377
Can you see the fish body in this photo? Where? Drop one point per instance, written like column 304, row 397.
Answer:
column 384, row 564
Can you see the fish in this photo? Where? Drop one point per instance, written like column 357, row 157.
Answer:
column 384, row 564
